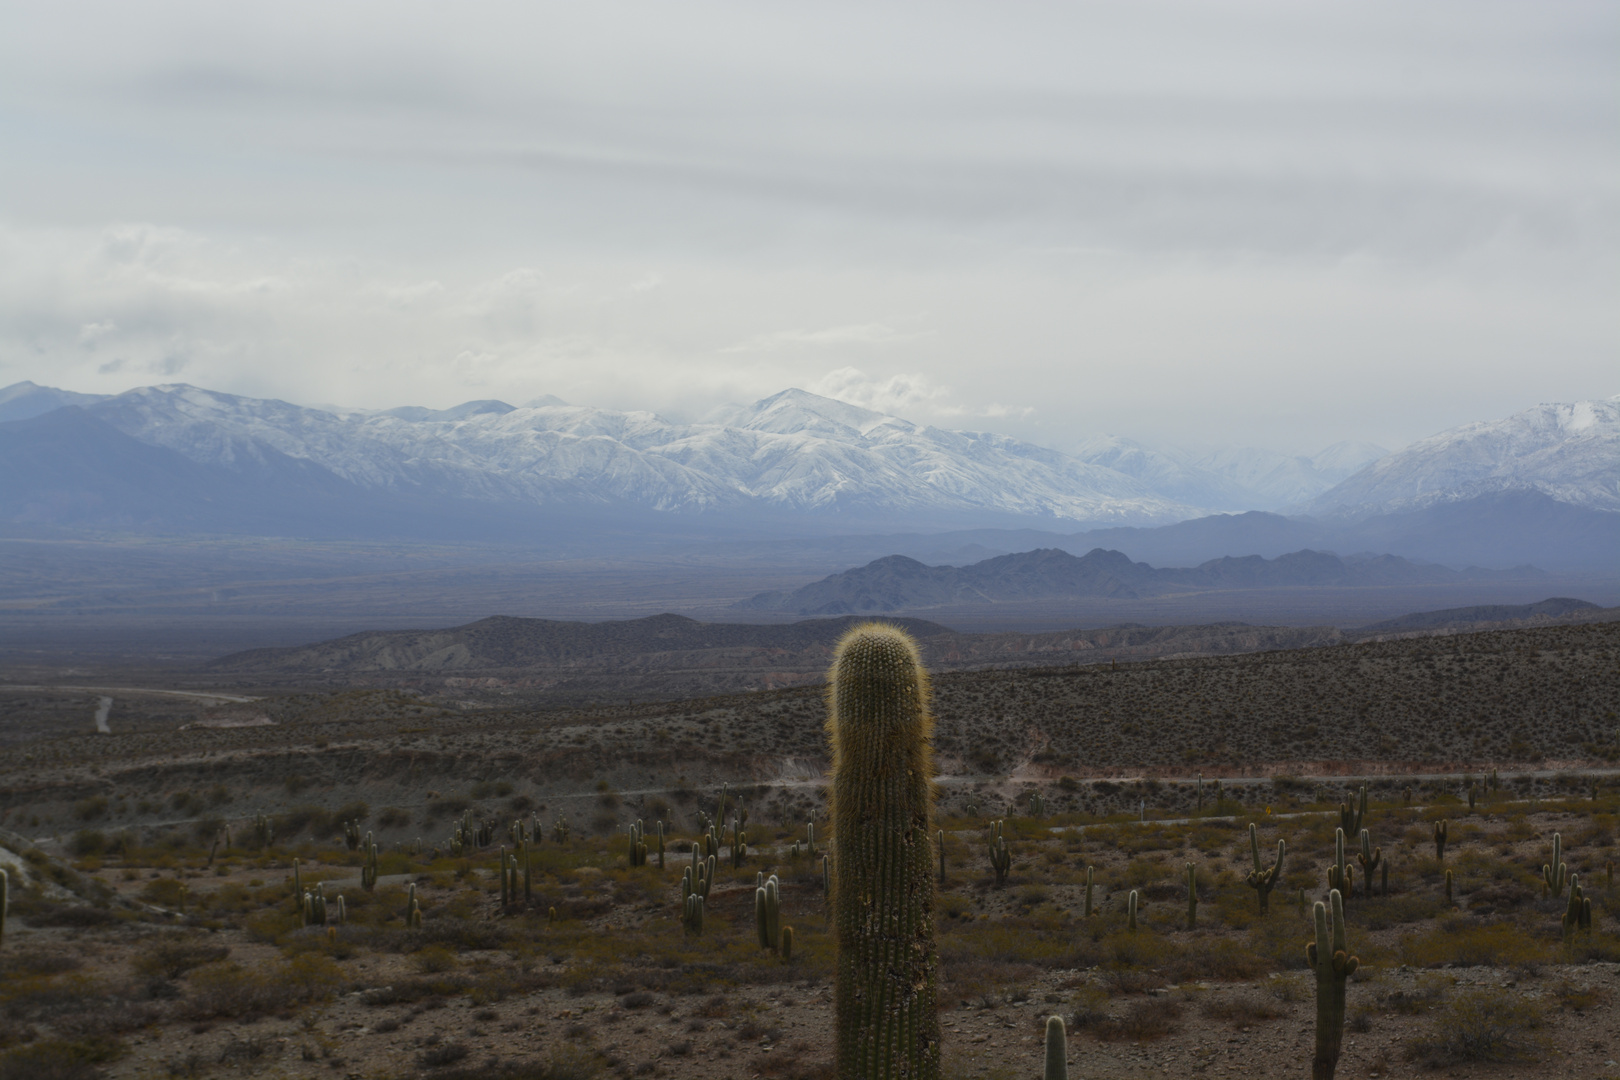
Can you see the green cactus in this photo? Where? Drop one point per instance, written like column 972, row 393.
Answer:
column 1351, row 817
column 942, row 856
column 1340, row 875
column 1448, row 886
column 1200, row 791
column 787, row 944
column 1192, row 897
column 1263, row 879
column 810, row 833
column 1088, row 892
column 1578, row 913
column 1330, row 958
column 1556, row 875
column 739, row 838
column 1368, row 857
column 1057, row 1050
column 826, row 879
column 1471, row 795
column 342, row 911
column 1037, row 804
column 413, row 909
column 660, row 845
column 528, row 870
column 1131, row 903
column 351, row 835
column 768, row 913
column 1440, row 833
column 1000, row 857
column 368, row 868
column 882, row 809
column 693, row 918
column 298, row 882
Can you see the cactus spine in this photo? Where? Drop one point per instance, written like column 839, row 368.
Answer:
column 1000, row 857
column 1556, row 875
column 1130, row 910
column 1330, row 958
column 1440, row 832
column 1192, row 897
column 1368, row 857
column 1263, row 879
column 1057, row 1050
column 882, row 809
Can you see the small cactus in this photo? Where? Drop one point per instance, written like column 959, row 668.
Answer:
column 1556, row 874
column 1130, row 910
column 1330, row 958
column 351, row 835
column 368, row 867
column 413, row 909
column 1262, row 879
column 810, row 838
column 1057, row 1050
column 1448, row 886
column 1440, row 832
column 1472, row 794
column 1339, row 874
column 694, row 915
column 942, row 856
column 787, row 944
column 1088, row 892
column 768, row 913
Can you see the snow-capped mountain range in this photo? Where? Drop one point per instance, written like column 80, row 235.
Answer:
column 801, row 454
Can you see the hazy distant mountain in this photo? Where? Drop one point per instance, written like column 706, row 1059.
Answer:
column 1569, row 453
column 25, row 400
column 1243, row 478
column 1552, row 609
column 793, row 453
column 898, row 583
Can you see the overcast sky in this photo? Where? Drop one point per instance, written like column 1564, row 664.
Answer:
column 1275, row 224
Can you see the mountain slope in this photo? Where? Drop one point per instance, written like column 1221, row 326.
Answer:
column 1570, row 453
column 792, row 453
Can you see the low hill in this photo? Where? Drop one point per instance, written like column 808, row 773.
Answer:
column 898, row 583
column 1483, row 616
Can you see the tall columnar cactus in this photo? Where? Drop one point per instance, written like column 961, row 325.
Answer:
column 413, row 909
column 1000, row 857
column 351, row 835
column 1351, row 817
column 810, row 837
column 1037, row 804
column 1088, row 892
column 1330, row 958
column 1131, row 903
column 1262, row 879
column 768, row 913
column 1057, row 1050
column 883, row 895
column 1440, row 832
column 787, row 944
column 1578, row 912
column 1339, row 874
column 942, row 856
column 693, row 917
column 342, row 911
column 660, row 845
column 1472, row 794
column 368, row 868
column 1448, row 886
column 528, row 872
column 1369, row 858
column 1200, row 791
column 739, row 840
column 298, row 883
column 1192, row 897
column 1556, row 875
column 826, row 878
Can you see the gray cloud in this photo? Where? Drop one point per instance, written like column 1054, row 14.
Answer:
column 1265, row 222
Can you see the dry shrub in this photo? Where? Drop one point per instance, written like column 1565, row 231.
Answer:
column 1242, row 1008
column 60, row 1059
column 1481, row 1025
column 1151, row 1019
column 172, row 959
column 1462, row 942
column 228, row 989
